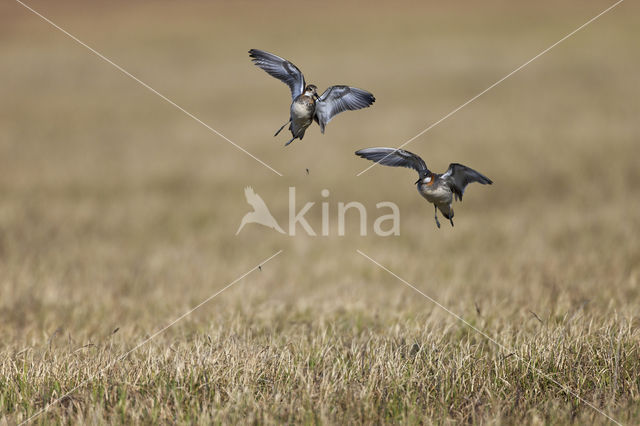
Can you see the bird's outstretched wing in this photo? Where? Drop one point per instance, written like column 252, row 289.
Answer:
column 459, row 176
column 281, row 69
column 394, row 157
column 254, row 200
column 336, row 99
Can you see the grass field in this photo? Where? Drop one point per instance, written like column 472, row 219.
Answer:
column 118, row 214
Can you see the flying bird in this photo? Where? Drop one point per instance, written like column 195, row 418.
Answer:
column 306, row 105
column 260, row 213
column 438, row 189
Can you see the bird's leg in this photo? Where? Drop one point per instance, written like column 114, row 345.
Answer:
column 436, row 215
column 280, row 129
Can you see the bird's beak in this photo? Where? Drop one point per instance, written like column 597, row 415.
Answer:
column 316, row 96
column 416, row 182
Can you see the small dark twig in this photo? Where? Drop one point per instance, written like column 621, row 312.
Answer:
column 536, row 316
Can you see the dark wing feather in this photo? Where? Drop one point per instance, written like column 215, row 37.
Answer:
column 336, row 99
column 394, row 157
column 459, row 176
column 281, row 69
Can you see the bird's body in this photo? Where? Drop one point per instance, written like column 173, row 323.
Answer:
column 301, row 113
column 307, row 106
column 438, row 189
column 437, row 192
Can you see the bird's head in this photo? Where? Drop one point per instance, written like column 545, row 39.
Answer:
column 311, row 90
column 425, row 177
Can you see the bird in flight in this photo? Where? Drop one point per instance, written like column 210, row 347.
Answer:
column 306, row 105
column 438, row 189
column 260, row 213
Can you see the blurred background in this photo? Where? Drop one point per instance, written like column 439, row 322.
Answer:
column 101, row 178
column 118, row 210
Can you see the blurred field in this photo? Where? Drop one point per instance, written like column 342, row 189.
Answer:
column 119, row 212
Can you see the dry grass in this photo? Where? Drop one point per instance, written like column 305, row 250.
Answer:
column 118, row 212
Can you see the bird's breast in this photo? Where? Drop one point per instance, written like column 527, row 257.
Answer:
column 435, row 193
column 303, row 106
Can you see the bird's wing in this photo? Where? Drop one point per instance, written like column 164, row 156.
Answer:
column 336, row 99
column 394, row 157
column 254, row 199
column 281, row 69
column 459, row 176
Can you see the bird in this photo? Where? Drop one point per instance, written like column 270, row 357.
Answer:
column 440, row 189
column 260, row 213
column 307, row 106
